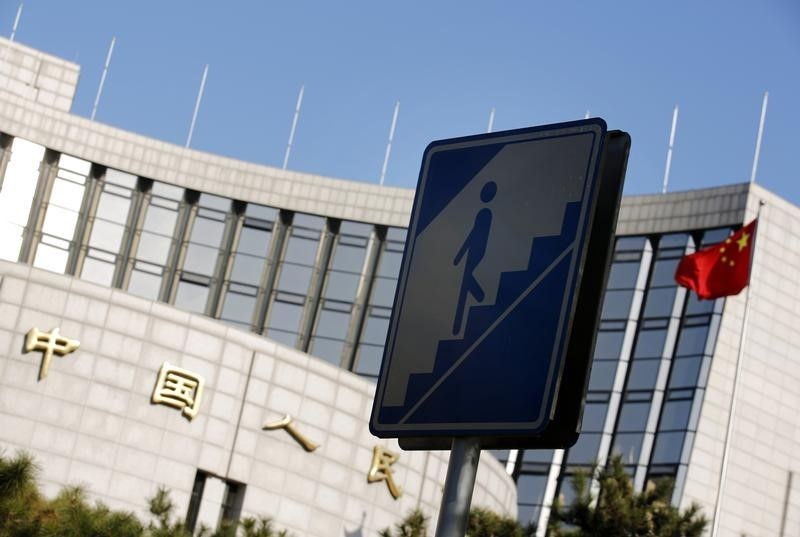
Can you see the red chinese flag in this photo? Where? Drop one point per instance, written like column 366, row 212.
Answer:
column 722, row 269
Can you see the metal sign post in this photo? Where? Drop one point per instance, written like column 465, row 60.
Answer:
column 458, row 485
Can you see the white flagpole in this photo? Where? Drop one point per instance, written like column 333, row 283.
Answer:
column 197, row 105
column 736, row 378
column 491, row 121
column 586, row 115
column 669, row 150
column 16, row 23
column 758, row 138
column 294, row 126
column 103, row 77
column 389, row 145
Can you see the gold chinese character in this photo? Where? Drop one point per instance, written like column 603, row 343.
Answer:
column 381, row 469
column 49, row 343
column 286, row 423
column 179, row 388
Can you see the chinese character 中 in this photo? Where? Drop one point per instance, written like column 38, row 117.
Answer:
column 381, row 469
column 179, row 388
column 49, row 343
column 287, row 423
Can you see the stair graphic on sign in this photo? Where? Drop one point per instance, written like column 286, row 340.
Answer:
column 514, row 306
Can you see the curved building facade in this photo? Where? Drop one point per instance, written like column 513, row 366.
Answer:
column 271, row 290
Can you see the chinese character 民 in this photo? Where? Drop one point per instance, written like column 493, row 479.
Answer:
column 178, row 388
column 287, row 423
column 381, row 469
column 49, row 343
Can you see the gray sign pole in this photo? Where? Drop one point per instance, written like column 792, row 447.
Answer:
column 454, row 511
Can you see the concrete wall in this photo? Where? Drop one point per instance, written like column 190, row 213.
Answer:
column 91, row 422
column 36, row 76
column 766, row 436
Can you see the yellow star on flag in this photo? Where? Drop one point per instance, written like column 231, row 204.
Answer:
column 742, row 242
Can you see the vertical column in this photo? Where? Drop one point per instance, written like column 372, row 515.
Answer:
column 549, row 492
column 279, row 232
column 5, row 155
column 362, row 297
column 44, row 187
column 186, row 214
column 233, row 228
column 317, row 279
column 80, row 240
column 132, row 233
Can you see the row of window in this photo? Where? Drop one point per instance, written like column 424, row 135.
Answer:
column 322, row 285
column 652, row 347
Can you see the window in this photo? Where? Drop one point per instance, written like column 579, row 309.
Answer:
column 203, row 250
column 339, row 293
column 214, row 500
column 156, row 240
column 248, row 265
column 294, row 278
column 530, row 495
column 376, row 323
column 61, row 216
column 108, row 227
column 16, row 196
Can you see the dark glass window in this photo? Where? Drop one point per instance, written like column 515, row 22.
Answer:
column 530, row 494
column 108, row 227
column 249, row 262
column 668, row 447
column 685, row 371
column 650, row 343
column 659, row 302
column 608, row 344
column 628, row 445
column 339, row 293
column 294, row 277
column 602, row 375
column 373, row 334
column 642, row 374
column 202, row 253
column 155, row 241
column 584, row 452
column 617, row 304
column 692, row 340
column 594, row 416
column 623, row 275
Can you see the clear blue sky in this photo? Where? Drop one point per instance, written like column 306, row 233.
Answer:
column 448, row 63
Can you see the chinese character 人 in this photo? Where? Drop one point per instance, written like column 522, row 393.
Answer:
column 49, row 343
column 178, row 388
column 381, row 469
column 288, row 424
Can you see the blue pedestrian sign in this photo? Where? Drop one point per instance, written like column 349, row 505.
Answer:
column 495, row 256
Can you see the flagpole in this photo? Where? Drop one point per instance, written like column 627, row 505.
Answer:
column 490, row 127
column 197, row 105
column 736, row 378
column 758, row 138
column 669, row 149
column 294, row 126
column 389, row 145
column 103, row 78
column 16, row 23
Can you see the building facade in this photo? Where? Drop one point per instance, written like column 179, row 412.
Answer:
column 151, row 253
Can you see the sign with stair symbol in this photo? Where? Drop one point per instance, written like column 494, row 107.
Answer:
column 488, row 284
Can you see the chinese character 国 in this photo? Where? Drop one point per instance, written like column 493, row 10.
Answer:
column 178, row 388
